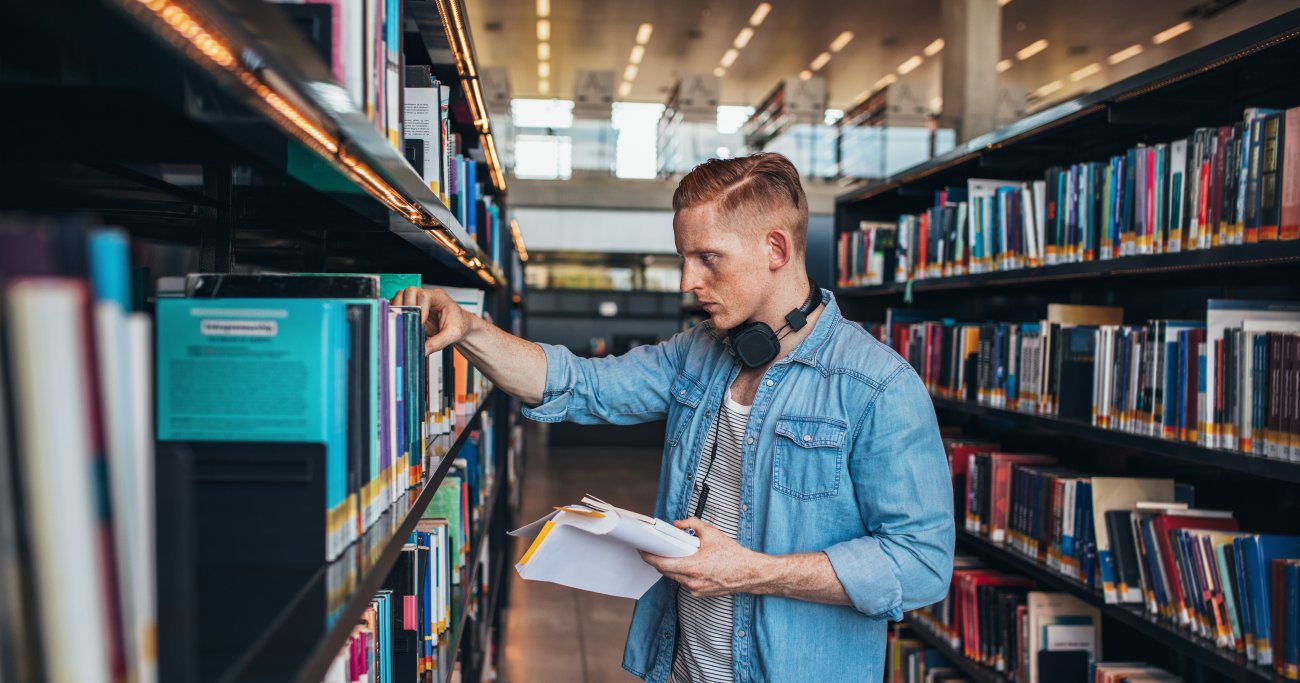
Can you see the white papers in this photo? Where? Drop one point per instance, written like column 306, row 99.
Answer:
column 594, row 546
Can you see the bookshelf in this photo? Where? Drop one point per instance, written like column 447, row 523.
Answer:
column 977, row 672
column 217, row 136
column 1209, row 86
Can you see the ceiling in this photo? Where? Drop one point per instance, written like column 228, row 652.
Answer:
column 691, row 36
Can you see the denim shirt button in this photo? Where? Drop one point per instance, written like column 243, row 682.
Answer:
column 770, row 383
column 744, row 507
column 740, row 633
column 750, row 441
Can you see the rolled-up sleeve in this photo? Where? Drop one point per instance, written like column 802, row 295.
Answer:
column 904, row 492
column 625, row 389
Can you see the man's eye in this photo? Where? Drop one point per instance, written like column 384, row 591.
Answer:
column 709, row 258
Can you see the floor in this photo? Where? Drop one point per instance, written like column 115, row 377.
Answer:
column 554, row 633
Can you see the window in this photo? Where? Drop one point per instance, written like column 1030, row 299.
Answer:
column 542, row 113
column 543, row 157
column 731, row 118
column 637, row 124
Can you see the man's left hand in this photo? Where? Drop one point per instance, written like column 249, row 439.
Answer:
column 720, row 567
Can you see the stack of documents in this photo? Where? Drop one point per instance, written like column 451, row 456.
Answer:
column 593, row 547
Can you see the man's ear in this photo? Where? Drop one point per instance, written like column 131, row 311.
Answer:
column 780, row 248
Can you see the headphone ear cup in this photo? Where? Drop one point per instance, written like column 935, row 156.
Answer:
column 754, row 344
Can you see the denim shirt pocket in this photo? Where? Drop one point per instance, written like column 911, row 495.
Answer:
column 809, row 456
column 687, row 392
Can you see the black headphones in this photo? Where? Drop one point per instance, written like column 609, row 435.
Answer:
column 756, row 345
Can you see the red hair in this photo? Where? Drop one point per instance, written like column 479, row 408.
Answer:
column 754, row 187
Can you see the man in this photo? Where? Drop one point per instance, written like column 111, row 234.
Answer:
column 806, row 457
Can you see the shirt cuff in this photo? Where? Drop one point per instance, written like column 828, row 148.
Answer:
column 555, row 397
column 864, row 571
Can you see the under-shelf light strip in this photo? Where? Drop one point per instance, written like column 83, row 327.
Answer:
column 458, row 39
column 518, row 237
column 189, row 31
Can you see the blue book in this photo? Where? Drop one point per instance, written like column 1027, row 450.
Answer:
column 262, row 370
column 1243, row 596
column 1258, row 553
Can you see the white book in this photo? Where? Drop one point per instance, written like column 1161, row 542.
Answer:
column 139, row 329
column 593, row 547
column 1177, row 193
column 47, row 332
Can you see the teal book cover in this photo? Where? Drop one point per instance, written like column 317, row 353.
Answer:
column 392, row 283
column 270, row 370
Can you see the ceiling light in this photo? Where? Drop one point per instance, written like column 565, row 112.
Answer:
column 819, row 61
column 544, row 86
column 625, row 89
column 1127, row 53
column 1172, row 32
column 1049, row 88
column 643, row 33
column 887, row 79
column 1031, row 49
column 543, row 70
column 841, row 40
column 910, row 65
column 543, row 30
column 629, row 74
column 719, row 71
column 543, row 9
column 729, row 57
column 805, row 74
column 638, row 53
column 1003, row 3
column 543, row 51
column 760, row 13
column 936, row 104
column 934, row 48
column 1004, row 65
column 1085, row 72
column 742, row 38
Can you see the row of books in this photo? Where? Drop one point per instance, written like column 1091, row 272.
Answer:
column 1141, row 541
column 401, row 636
column 860, row 255
column 1228, row 381
column 436, row 152
column 76, row 457
column 311, row 358
column 1000, row 621
column 314, row 358
column 1233, row 184
column 910, row 660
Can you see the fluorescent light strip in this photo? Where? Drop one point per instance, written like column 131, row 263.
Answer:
column 643, row 33
column 625, row 88
column 910, row 65
column 819, row 61
column 543, row 29
column 1003, row 3
column 760, row 13
column 1032, row 49
column 719, row 71
column 1086, row 71
column 841, row 40
column 1172, row 32
column 1049, row 88
column 743, row 38
column 543, row 9
column 887, row 79
column 1004, row 64
column 805, row 74
column 629, row 74
column 543, row 69
column 933, row 48
column 638, row 53
column 544, row 86
column 1127, row 53
column 729, row 57
column 543, row 51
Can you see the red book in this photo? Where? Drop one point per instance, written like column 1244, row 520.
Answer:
column 1000, row 495
column 1290, row 180
column 959, row 452
column 922, row 238
column 1166, row 522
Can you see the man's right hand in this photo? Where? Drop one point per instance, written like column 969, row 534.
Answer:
column 445, row 322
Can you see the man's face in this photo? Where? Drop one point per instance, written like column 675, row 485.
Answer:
column 724, row 263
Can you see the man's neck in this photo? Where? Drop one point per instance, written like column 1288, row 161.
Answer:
column 790, row 298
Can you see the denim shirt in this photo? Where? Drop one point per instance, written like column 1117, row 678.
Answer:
column 842, row 455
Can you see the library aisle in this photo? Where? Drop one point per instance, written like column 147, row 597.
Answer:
column 553, row 633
